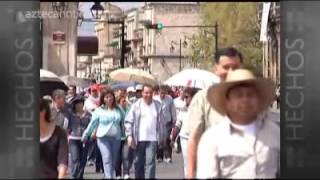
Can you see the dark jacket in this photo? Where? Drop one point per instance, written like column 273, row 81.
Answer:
column 77, row 124
column 61, row 117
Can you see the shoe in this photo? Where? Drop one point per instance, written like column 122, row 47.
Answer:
column 118, row 177
column 160, row 160
column 126, row 176
column 168, row 160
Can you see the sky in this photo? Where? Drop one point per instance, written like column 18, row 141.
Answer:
column 87, row 28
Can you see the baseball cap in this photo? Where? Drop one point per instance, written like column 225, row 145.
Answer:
column 131, row 89
column 94, row 87
column 101, row 86
column 139, row 87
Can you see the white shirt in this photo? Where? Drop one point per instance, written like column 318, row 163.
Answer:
column 249, row 129
column 148, row 122
column 179, row 103
column 91, row 103
column 232, row 151
column 181, row 118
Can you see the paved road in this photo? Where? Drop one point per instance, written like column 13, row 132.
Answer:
column 173, row 170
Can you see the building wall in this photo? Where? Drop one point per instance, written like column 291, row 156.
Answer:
column 60, row 59
column 150, row 49
column 134, row 31
column 105, row 33
column 159, row 42
column 271, row 48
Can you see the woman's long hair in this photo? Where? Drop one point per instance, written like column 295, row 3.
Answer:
column 45, row 106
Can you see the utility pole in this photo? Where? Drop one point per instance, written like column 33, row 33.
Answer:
column 180, row 57
column 100, row 75
column 122, row 45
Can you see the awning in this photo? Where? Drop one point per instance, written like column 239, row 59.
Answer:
column 87, row 45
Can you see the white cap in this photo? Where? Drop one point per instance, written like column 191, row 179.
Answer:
column 131, row 89
column 139, row 87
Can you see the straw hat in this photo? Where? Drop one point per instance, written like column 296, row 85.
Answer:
column 217, row 93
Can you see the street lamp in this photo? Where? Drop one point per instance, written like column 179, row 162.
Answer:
column 185, row 44
column 97, row 10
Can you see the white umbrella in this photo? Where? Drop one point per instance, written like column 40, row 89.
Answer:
column 136, row 75
column 50, row 82
column 193, row 78
column 46, row 75
column 75, row 81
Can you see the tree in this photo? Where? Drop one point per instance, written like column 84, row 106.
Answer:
column 238, row 26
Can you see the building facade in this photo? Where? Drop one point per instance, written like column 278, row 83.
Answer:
column 59, row 40
column 271, row 47
column 87, row 48
column 155, row 51
column 107, row 56
column 159, row 52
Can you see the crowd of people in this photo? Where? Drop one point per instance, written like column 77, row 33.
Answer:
column 224, row 131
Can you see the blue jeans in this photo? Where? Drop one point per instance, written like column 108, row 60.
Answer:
column 146, row 152
column 78, row 153
column 109, row 148
column 183, row 143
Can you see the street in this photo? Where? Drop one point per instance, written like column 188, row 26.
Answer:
column 164, row 170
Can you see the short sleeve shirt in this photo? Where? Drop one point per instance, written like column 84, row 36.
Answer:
column 201, row 114
column 53, row 152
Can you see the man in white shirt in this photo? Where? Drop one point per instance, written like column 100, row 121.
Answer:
column 246, row 144
column 144, row 128
column 179, row 103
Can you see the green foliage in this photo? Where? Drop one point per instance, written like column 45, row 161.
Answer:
column 238, row 26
